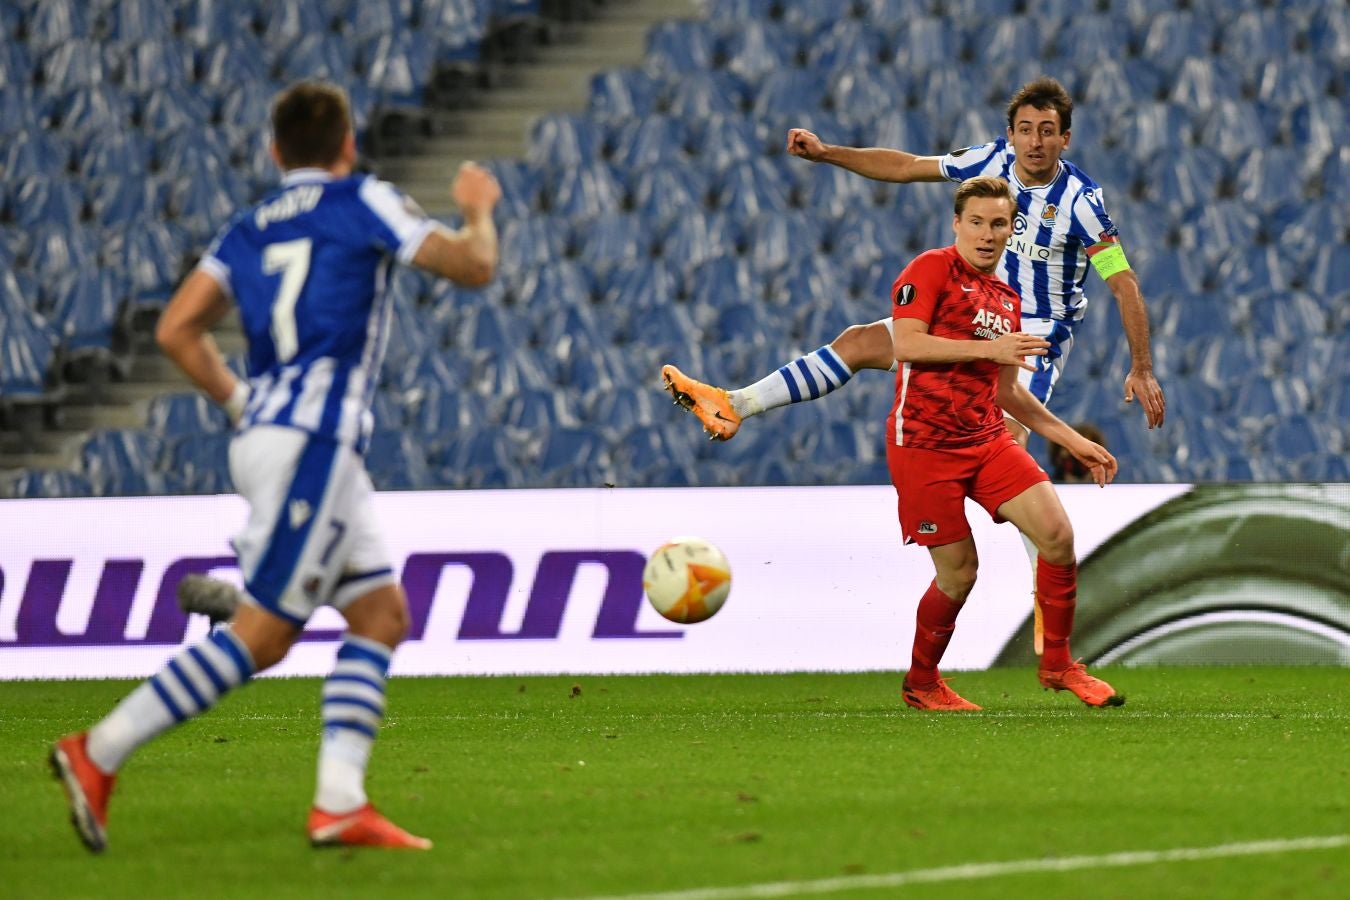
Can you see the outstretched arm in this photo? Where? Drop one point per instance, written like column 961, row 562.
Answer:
column 877, row 163
column 467, row 256
column 1134, row 316
column 1019, row 403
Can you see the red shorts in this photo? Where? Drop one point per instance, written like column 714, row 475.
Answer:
column 932, row 486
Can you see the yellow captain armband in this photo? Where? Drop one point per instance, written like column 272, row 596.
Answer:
column 1110, row 261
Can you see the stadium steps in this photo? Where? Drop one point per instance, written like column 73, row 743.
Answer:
column 557, row 79
column 111, row 403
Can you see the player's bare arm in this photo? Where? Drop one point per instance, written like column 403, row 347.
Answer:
column 183, row 333
column 877, row 163
column 1018, row 402
column 913, row 343
column 1139, row 381
column 468, row 255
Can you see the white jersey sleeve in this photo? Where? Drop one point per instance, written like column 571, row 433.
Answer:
column 402, row 226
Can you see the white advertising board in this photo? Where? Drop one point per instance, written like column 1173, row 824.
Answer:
column 536, row 581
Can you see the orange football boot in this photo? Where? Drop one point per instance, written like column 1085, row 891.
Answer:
column 87, row 789
column 711, row 404
column 1075, row 679
column 363, row 827
column 937, row 697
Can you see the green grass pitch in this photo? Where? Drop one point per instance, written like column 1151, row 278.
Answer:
column 587, row 786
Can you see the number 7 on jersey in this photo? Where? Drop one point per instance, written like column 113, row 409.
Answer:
column 291, row 259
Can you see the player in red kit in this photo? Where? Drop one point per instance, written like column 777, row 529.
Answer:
column 957, row 342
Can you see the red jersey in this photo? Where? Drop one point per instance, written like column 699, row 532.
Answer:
column 949, row 405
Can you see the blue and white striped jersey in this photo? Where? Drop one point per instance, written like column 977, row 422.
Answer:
column 307, row 268
column 1056, row 224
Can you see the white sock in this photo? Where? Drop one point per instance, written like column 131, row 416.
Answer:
column 187, row 686
column 353, row 705
column 808, row 377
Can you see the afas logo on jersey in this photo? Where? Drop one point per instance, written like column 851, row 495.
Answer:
column 904, row 295
column 990, row 325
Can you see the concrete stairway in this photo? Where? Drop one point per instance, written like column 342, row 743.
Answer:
column 557, row 80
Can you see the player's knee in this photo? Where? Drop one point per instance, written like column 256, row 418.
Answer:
column 865, row 346
column 958, row 581
column 1056, row 543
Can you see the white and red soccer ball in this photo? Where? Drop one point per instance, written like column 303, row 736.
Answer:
column 687, row 580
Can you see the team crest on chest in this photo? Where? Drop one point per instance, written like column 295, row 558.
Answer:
column 1048, row 215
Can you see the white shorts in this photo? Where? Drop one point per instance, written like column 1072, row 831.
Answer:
column 1059, row 333
column 311, row 538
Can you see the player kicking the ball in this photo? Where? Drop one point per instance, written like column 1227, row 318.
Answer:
column 958, row 341
column 307, row 269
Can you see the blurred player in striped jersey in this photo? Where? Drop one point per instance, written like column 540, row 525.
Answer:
column 1061, row 230
column 307, row 268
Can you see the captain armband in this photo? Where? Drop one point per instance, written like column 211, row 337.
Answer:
column 1110, row 261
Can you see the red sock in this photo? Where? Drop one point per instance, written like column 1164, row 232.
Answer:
column 1057, row 591
column 932, row 632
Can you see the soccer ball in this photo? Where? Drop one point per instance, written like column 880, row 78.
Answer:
column 687, row 580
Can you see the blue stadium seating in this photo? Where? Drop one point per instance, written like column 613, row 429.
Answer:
column 131, row 134
column 38, row 483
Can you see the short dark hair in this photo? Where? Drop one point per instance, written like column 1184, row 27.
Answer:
column 310, row 122
column 983, row 186
column 1043, row 93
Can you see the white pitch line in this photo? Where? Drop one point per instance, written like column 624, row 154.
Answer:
column 971, row 871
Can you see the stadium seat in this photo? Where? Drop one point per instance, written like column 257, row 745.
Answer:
column 1289, row 317
column 622, row 94
column 152, row 256
column 644, row 142
column 1007, row 37
column 660, row 194
column 31, row 154
column 836, row 44
column 583, row 192
column 54, row 483
column 529, row 242
column 754, row 48
column 613, row 239
column 862, row 94
column 201, row 459
column 749, row 189
column 722, row 141
column 92, row 110
column 1155, row 129
column 189, row 412
column 20, row 110
column 521, row 185
column 54, row 202
column 52, row 23
column 1329, row 34
column 927, row 43
column 721, row 281
column 1329, row 270
column 773, row 241
column 87, row 313
column 396, row 461
column 700, row 95
column 1320, row 129
column 1256, row 36
column 1113, row 83
column 564, row 139
column 693, row 239
column 107, row 454
column 638, row 287
column 73, row 64
column 835, row 192
column 1300, row 435
column 677, row 48
column 398, row 66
